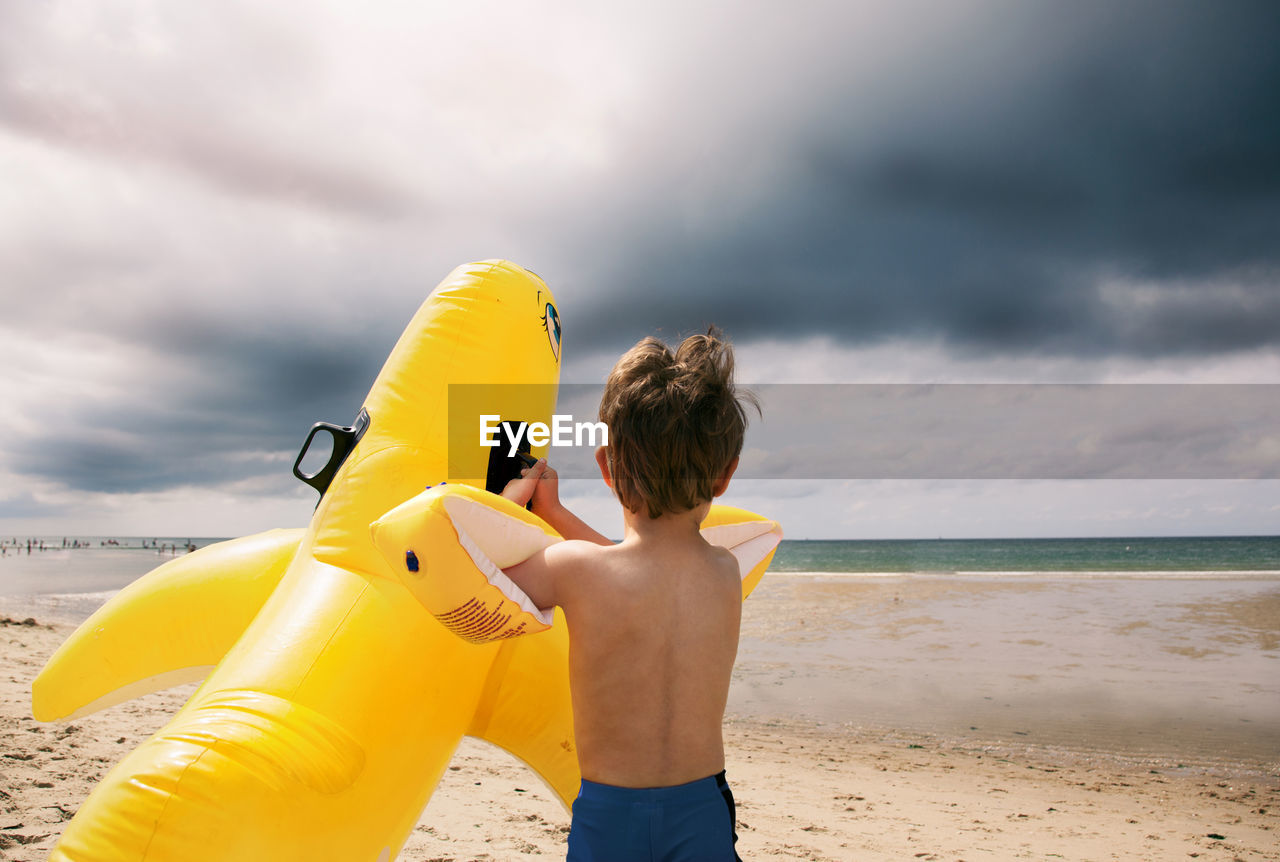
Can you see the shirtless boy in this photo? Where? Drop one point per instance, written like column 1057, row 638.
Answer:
column 653, row 621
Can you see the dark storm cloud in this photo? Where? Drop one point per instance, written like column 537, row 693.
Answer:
column 266, row 382
column 235, row 405
column 25, row 505
column 1013, row 190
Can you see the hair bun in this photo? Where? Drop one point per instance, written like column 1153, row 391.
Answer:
column 675, row 420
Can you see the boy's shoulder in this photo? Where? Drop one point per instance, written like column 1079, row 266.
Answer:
column 576, row 560
column 576, row 551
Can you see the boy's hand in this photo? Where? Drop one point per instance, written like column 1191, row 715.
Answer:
column 538, row 483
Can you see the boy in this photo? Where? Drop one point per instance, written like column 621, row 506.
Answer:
column 653, row 621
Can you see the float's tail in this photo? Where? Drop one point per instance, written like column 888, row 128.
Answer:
column 213, row 784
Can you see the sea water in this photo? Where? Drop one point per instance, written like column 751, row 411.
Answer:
column 1014, row 556
column 66, row 578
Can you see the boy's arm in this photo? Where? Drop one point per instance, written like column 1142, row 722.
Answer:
column 547, row 576
column 536, row 578
column 570, row 525
column 540, row 484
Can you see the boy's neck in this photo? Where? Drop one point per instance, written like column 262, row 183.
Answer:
column 679, row 526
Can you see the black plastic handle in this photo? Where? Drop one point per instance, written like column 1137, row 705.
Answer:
column 503, row 467
column 345, row 439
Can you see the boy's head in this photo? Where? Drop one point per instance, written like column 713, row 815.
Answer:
column 675, row 423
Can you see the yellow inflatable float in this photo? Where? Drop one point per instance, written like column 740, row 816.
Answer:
column 336, row 699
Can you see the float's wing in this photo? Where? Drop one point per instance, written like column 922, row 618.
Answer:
column 170, row 626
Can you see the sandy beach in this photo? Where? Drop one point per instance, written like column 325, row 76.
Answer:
column 807, row 788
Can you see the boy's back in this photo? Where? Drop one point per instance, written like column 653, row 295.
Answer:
column 653, row 628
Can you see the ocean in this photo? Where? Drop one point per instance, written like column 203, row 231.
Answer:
column 1136, row 556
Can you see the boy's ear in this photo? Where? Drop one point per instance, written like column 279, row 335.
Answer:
column 602, row 460
column 722, row 484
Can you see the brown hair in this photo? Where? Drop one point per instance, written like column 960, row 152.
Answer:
column 675, row 422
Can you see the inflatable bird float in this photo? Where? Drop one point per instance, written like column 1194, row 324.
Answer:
column 336, row 690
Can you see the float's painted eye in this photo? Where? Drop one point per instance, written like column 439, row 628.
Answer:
column 551, row 323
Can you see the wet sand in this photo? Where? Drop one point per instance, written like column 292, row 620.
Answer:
column 1183, row 670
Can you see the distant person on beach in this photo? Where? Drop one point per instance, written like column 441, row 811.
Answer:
column 653, row 621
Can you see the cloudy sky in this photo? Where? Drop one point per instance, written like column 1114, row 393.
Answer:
column 215, row 219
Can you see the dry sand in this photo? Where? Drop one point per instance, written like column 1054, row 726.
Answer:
column 804, row 791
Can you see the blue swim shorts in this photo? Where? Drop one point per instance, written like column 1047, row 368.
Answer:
column 694, row 822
